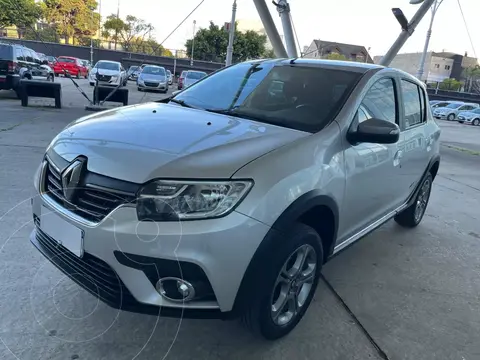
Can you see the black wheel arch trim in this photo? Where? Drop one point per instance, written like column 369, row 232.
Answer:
column 434, row 160
column 252, row 277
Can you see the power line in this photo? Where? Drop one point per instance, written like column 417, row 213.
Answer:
column 173, row 31
column 466, row 27
column 296, row 36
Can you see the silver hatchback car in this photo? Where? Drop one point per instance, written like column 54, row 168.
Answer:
column 226, row 199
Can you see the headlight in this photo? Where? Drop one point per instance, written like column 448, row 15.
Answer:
column 167, row 200
column 114, row 78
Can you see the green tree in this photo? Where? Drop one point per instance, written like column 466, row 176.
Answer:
column 471, row 76
column 48, row 34
column 450, row 84
column 72, row 18
column 211, row 44
column 112, row 28
column 135, row 30
column 269, row 54
column 20, row 13
column 336, row 56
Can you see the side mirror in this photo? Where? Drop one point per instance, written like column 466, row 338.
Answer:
column 375, row 131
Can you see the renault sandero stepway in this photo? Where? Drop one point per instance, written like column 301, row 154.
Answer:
column 226, row 199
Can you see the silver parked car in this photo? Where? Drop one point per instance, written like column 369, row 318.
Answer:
column 226, row 199
column 451, row 111
column 470, row 117
column 169, row 77
column 153, row 78
column 110, row 73
column 191, row 77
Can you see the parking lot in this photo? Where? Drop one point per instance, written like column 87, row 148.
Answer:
column 414, row 294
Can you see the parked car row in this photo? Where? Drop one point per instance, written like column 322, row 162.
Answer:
column 456, row 110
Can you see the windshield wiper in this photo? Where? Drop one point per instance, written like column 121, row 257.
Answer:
column 183, row 103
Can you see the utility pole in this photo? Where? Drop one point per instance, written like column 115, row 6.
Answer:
column 407, row 31
column 231, row 34
column 421, row 68
column 270, row 28
column 193, row 42
column 283, row 9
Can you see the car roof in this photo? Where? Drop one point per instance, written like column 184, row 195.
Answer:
column 108, row 61
column 67, row 57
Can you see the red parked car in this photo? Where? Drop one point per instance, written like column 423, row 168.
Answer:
column 181, row 80
column 71, row 65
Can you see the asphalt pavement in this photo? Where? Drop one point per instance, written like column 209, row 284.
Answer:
column 407, row 294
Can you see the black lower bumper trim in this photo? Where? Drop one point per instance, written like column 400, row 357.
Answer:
column 100, row 280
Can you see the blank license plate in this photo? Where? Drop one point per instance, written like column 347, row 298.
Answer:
column 66, row 234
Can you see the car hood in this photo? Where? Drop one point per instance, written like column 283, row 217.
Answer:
column 467, row 114
column 443, row 109
column 153, row 140
column 106, row 72
column 151, row 77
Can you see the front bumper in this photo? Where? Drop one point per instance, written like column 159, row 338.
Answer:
column 440, row 116
column 155, row 87
column 119, row 246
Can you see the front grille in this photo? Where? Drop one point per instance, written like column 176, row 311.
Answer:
column 151, row 84
column 89, row 202
column 104, row 77
column 90, row 272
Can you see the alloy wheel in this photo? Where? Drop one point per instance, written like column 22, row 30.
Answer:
column 422, row 200
column 293, row 285
column 476, row 122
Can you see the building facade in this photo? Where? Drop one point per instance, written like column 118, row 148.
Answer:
column 438, row 66
column 320, row 49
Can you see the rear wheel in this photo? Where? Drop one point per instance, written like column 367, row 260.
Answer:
column 451, row 117
column 288, row 284
column 413, row 215
column 476, row 122
column 78, row 75
column 51, row 78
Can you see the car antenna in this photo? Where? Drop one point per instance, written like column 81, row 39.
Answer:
column 293, row 61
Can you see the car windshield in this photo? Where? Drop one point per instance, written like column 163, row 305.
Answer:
column 195, row 75
column 453, row 106
column 66, row 60
column 302, row 98
column 153, row 70
column 476, row 111
column 51, row 58
column 107, row 65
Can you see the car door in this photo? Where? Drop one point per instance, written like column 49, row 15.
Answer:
column 38, row 71
column 415, row 155
column 466, row 108
column 372, row 188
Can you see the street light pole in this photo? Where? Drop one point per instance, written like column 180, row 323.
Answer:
column 231, row 35
column 193, row 42
column 406, row 33
column 283, row 9
column 421, row 67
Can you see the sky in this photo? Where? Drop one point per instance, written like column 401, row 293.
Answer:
column 363, row 22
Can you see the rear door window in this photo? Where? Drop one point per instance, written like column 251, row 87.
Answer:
column 19, row 55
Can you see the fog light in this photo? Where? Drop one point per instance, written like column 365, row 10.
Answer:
column 175, row 289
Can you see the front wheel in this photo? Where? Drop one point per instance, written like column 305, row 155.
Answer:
column 476, row 122
column 451, row 117
column 413, row 215
column 289, row 281
column 51, row 78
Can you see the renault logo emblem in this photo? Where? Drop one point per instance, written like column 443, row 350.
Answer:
column 71, row 179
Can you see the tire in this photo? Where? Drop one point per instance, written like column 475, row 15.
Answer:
column 51, row 78
column 259, row 317
column 476, row 122
column 92, row 84
column 140, row 89
column 78, row 75
column 451, row 117
column 409, row 217
column 56, row 75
